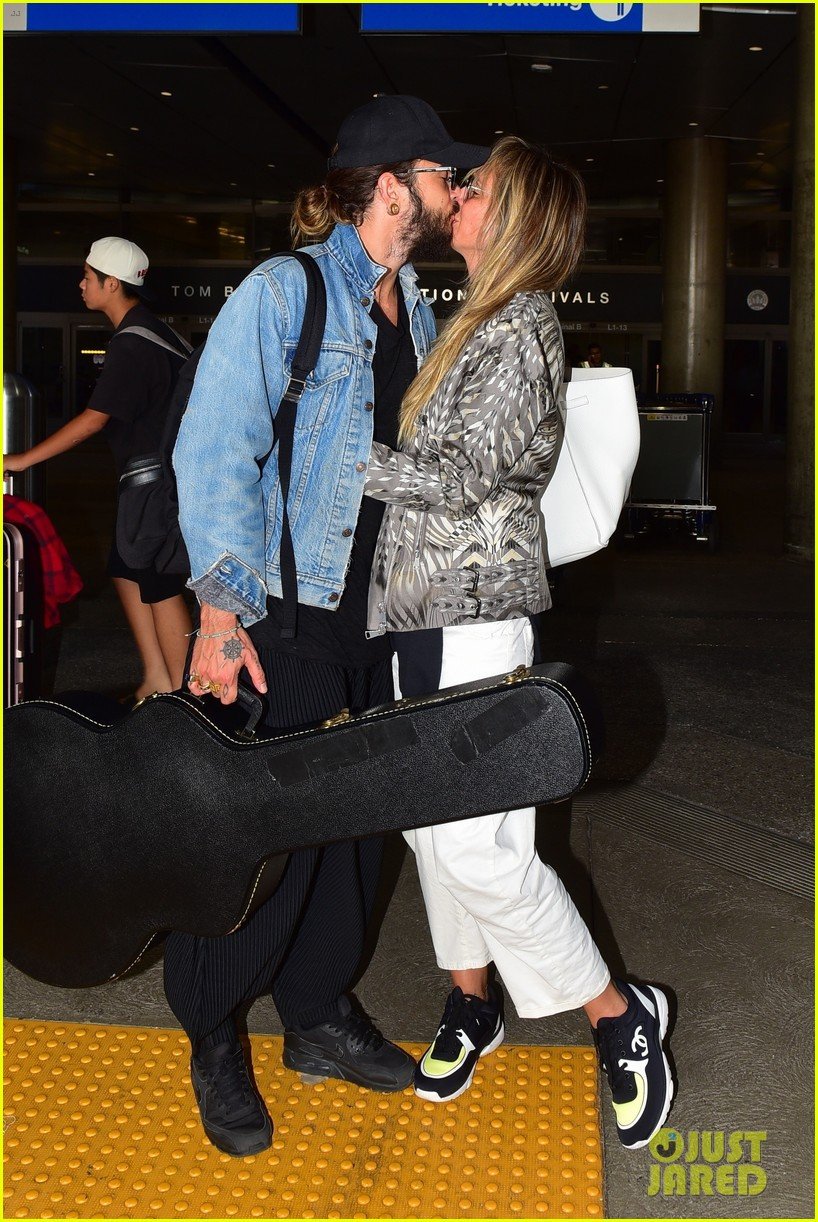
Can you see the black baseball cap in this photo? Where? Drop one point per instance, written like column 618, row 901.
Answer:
column 397, row 127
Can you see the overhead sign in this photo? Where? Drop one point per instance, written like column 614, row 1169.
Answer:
column 201, row 18
column 617, row 300
column 591, row 297
column 529, row 18
column 754, row 297
column 173, row 290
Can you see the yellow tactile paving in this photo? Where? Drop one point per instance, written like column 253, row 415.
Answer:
column 100, row 1122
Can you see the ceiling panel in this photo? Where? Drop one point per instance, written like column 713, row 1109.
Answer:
column 242, row 102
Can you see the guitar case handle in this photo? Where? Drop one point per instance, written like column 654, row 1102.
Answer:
column 250, row 702
column 253, row 705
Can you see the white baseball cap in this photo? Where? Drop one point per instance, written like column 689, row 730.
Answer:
column 121, row 258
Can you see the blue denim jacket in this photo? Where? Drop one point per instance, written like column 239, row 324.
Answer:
column 225, row 459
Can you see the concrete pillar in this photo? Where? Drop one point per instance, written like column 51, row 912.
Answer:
column 694, row 257
column 799, row 522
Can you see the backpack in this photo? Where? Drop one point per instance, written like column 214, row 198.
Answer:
column 148, row 534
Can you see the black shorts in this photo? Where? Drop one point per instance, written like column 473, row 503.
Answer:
column 153, row 587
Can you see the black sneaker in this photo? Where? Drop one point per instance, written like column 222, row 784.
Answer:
column 349, row 1047
column 233, row 1114
column 631, row 1054
column 470, row 1029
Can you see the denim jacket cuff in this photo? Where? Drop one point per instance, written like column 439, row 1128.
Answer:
column 231, row 585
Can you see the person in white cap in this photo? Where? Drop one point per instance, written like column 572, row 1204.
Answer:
column 130, row 402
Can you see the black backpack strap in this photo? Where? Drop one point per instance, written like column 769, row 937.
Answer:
column 184, row 350
column 304, row 361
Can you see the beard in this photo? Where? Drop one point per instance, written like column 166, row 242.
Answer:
column 428, row 235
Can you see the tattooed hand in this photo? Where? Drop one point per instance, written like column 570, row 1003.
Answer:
column 217, row 660
column 232, row 648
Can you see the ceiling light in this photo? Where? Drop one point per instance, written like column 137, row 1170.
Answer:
column 603, row 86
column 755, row 48
column 692, row 125
column 589, row 158
column 234, row 184
column 166, row 93
column 271, row 165
column 91, row 174
column 542, row 68
column 109, row 154
column 660, row 180
column 134, row 129
column 498, row 131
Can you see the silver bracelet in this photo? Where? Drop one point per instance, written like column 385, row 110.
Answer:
column 211, row 636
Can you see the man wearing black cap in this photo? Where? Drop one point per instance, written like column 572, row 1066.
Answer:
column 386, row 199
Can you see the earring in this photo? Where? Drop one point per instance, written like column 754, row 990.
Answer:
column 394, row 209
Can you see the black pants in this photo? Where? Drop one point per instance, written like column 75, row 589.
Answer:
column 305, row 942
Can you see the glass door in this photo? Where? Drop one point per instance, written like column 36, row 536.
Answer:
column 88, row 346
column 744, row 386
column 41, row 362
column 755, row 387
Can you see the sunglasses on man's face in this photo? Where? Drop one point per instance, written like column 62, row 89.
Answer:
column 449, row 170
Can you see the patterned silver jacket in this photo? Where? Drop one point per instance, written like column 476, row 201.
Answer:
column 462, row 538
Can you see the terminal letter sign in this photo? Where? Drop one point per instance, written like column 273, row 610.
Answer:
column 507, row 17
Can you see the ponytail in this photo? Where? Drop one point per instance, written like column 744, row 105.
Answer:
column 342, row 199
column 315, row 212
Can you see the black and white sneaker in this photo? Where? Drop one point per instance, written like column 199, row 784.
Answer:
column 470, row 1029
column 631, row 1054
column 233, row 1114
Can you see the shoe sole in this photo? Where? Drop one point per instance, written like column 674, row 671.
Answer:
column 319, row 1068
column 662, row 1011
column 219, row 1140
column 433, row 1097
column 258, row 1147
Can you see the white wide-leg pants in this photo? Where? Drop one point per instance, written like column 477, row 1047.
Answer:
column 488, row 895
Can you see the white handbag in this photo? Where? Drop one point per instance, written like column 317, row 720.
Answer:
column 598, row 449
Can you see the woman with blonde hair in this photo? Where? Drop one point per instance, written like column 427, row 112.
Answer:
column 459, row 572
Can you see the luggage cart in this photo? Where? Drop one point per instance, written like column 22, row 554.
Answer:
column 671, row 482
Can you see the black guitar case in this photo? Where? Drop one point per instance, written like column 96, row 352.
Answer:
column 116, row 833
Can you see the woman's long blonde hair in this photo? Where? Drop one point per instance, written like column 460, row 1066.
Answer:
column 534, row 237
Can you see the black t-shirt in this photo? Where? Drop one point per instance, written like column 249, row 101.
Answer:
column 339, row 636
column 135, row 386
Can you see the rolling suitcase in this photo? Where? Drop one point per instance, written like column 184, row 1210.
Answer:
column 22, row 615
column 13, row 616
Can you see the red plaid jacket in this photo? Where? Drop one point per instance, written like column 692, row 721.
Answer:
column 61, row 581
